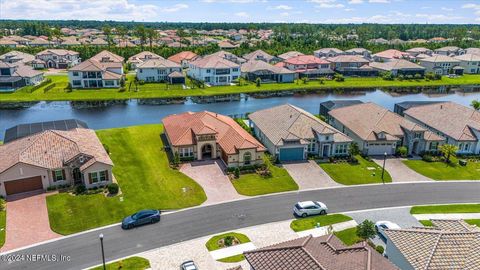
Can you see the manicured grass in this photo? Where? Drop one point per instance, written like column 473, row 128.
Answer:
column 160, row 90
column 355, row 174
column 3, row 226
column 445, row 171
column 145, row 178
column 308, row 223
column 348, row 236
column 473, row 222
column 442, row 209
column 132, row 263
column 212, row 244
column 233, row 259
column 253, row 184
column 426, row 223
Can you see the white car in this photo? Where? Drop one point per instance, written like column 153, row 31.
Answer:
column 308, row 208
column 383, row 225
column 188, row 265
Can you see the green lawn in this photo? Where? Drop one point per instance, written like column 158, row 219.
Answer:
column 212, row 243
column 253, row 184
column 348, row 236
column 428, row 223
column 132, row 263
column 160, row 90
column 355, row 174
column 145, row 178
column 233, row 259
column 3, row 226
column 303, row 224
column 445, row 171
column 442, row 209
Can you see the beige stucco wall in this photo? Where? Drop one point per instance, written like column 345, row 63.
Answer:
column 22, row 170
column 96, row 167
column 236, row 160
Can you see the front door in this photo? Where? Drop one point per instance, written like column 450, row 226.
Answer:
column 206, row 151
column 326, row 150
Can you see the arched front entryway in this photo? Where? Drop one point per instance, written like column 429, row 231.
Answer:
column 207, row 151
column 51, row 64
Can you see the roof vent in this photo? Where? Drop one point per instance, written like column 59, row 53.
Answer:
column 441, row 107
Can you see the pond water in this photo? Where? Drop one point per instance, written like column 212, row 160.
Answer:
column 134, row 113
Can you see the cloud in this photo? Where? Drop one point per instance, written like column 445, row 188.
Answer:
column 233, row 1
column 282, row 7
column 379, row 1
column 284, row 14
column 349, row 9
column 355, row 2
column 472, row 6
column 175, row 8
column 447, row 9
column 437, row 17
column 327, row 4
column 242, row 14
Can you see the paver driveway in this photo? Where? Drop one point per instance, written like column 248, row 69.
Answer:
column 27, row 221
column 209, row 174
column 399, row 171
column 309, row 175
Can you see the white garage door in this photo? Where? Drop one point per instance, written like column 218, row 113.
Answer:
column 377, row 149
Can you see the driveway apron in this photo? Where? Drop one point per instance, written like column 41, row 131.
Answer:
column 400, row 172
column 309, row 175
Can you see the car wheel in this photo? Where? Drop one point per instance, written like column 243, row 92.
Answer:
column 304, row 215
column 323, row 212
column 130, row 226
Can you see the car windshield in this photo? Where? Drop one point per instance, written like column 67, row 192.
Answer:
column 298, row 206
column 136, row 216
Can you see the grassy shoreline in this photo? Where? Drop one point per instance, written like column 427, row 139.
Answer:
column 159, row 90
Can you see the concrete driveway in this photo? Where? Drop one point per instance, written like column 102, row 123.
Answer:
column 27, row 221
column 209, row 174
column 309, row 175
column 400, row 172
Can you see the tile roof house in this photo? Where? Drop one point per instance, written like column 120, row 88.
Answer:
column 317, row 253
column 440, row 64
column 141, row 57
column 104, row 70
column 214, row 70
column 53, row 157
column 158, row 70
column 469, row 62
column 329, row 105
column 291, row 134
column 183, row 58
column 473, row 51
column 260, row 55
column 58, row 58
column 460, row 125
column 254, row 69
column 290, row 54
column 399, row 67
column 419, row 50
column 352, row 65
column 229, row 56
column 327, row 52
column 17, row 57
column 208, row 135
column 448, row 244
column 378, row 130
column 16, row 75
column 389, row 55
column 450, row 51
column 308, row 66
column 360, row 52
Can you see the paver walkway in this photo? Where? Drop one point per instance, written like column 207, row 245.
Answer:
column 209, row 174
column 27, row 221
column 324, row 230
column 309, row 175
column 447, row 216
column 399, row 171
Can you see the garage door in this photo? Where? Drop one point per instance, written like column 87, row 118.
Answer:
column 379, row 149
column 291, row 154
column 23, row 185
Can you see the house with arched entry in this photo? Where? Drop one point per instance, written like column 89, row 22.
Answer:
column 57, row 58
column 207, row 135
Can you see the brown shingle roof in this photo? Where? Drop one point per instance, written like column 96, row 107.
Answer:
column 317, row 253
column 182, row 129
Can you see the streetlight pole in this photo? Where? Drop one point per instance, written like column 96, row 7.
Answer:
column 103, row 253
column 383, row 168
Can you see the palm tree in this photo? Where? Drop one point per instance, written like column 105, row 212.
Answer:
column 475, row 104
column 448, row 150
column 152, row 35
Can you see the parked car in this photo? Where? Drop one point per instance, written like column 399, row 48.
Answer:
column 308, row 208
column 188, row 265
column 383, row 225
column 141, row 218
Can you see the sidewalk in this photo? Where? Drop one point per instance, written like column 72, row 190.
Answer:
column 447, row 216
column 324, row 230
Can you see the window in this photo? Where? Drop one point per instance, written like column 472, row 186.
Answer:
column 327, row 138
column 76, row 82
column 185, row 152
column 140, row 70
column 235, row 70
column 418, row 135
column 108, row 83
column 58, row 175
column 103, row 176
column 341, row 149
column 75, row 73
column 433, row 146
column 95, row 177
column 311, row 146
column 466, row 147
column 208, row 70
column 247, row 158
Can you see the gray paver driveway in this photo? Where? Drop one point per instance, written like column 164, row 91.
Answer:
column 400, row 172
column 209, row 174
column 309, row 175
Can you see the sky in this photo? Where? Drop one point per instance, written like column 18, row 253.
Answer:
column 293, row 11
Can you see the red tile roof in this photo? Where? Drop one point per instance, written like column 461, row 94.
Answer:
column 181, row 129
column 185, row 55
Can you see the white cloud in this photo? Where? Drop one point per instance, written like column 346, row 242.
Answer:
column 473, row 6
column 284, row 14
column 175, row 8
column 447, row 9
column 379, row 1
column 282, row 7
column 437, row 17
column 330, row 4
column 323, row 1
column 242, row 14
column 349, row 9
column 355, row 2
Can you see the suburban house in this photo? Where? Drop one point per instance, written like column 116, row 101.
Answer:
column 469, row 62
column 291, row 134
column 352, row 65
column 473, row 51
column 442, row 65
column 17, row 57
column 307, row 66
column 450, row 51
column 214, row 70
column 52, row 154
column 329, row 105
column 159, row 70
column 360, row 52
column 254, row 69
column 141, row 57
column 460, row 125
column 419, row 50
column 401, row 107
column 377, row 130
column 97, row 72
column 229, row 56
column 13, row 76
column 327, row 52
column 389, row 55
column 399, row 67
column 290, row 54
column 208, row 135
column 317, row 253
column 183, row 58
column 448, row 244
column 260, row 55
column 58, row 58
column 106, row 56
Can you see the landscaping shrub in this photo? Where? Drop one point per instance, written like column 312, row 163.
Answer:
column 141, row 82
column 402, row 151
column 418, row 76
column 339, row 77
column 400, row 77
column 366, row 229
column 462, row 162
column 122, row 89
column 380, row 249
column 409, row 77
column 51, row 188
column 388, row 76
column 236, row 173
column 80, row 189
column 49, row 87
column 258, row 82
column 228, row 241
column 427, row 158
column 112, row 188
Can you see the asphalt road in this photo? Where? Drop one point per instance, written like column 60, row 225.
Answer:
column 84, row 249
